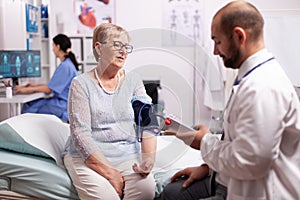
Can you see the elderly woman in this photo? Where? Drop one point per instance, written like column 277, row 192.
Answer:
column 104, row 158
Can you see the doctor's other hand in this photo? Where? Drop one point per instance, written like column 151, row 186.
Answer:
column 193, row 138
column 192, row 173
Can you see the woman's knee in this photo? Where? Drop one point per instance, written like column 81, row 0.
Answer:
column 138, row 187
column 88, row 184
column 147, row 187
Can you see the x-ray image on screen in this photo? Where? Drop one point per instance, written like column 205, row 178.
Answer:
column 16, row 64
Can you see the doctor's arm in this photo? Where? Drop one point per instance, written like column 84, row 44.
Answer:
column 252, row 142
column 193, row 138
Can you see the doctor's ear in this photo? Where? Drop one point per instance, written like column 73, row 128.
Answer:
column 240, row 34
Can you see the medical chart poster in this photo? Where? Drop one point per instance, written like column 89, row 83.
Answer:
column 90, row 13
column 184, row 20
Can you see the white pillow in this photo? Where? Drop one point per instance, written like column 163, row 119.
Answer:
column 39, row 131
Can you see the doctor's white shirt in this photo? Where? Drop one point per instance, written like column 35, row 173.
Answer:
column 259, row 157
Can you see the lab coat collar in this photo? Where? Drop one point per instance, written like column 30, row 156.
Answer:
column 253, row 61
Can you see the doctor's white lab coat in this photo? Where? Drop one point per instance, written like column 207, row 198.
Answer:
column 259, row 158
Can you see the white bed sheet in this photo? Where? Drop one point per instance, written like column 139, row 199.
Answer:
column 45, row 177
column 42, row 178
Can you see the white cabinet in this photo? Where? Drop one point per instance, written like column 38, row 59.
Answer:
column 12, row 25
column 46, row 49
column 83, row 50
column 14, row 34
column 45, row 41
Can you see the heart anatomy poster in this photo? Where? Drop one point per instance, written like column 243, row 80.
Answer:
column 90, row 13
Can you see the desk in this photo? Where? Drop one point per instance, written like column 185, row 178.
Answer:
column 18, row 99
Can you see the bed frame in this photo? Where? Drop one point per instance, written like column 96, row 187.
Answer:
column 10, row 195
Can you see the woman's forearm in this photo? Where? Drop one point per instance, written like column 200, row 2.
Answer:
column 102, row 166
column 33, row 89
column 42, row 88
column 99, row 163
column 149, row 144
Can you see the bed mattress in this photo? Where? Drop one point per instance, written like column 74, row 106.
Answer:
column 31, row 163
column 42, row 178
column 34, row 176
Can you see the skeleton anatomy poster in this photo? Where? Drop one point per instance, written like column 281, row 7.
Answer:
column 184, row 20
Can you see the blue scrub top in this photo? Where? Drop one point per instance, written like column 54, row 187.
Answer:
column 59, row 84
column 61, row 80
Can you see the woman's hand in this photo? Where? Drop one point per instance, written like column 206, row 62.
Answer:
column 19, row 89
column 144, row 168
column 193, row 174
column 98, row 162
column 115, row 178
column 31, row 84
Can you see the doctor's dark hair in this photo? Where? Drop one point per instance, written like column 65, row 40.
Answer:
column 241, row 14
column 65, row 45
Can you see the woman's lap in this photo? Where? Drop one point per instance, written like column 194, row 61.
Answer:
column 90, row 185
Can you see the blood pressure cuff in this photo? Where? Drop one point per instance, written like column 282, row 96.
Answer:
column 144, row 114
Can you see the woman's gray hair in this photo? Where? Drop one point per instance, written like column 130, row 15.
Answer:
column 105, row 31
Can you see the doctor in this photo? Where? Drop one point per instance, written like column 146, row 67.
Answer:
column 259, row 157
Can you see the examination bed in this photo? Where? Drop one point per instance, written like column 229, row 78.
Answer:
column 31, row 166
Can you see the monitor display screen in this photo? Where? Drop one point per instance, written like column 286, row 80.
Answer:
column 20, row 63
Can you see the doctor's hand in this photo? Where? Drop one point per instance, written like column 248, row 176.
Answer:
column 193, row 138
column 144, row 168
column 193, row 174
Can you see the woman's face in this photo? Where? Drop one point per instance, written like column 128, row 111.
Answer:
column 55, row 49
column 114, row 51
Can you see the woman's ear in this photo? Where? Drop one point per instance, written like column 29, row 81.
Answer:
column 58, row 47
column 97, row 48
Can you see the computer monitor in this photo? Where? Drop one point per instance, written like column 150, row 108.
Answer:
column 16, row 64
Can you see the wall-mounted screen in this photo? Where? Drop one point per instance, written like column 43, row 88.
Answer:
column 20, row 63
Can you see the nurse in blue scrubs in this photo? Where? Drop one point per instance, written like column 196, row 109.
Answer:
column 58, row 87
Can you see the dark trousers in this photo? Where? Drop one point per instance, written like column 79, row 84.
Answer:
column 198, row 190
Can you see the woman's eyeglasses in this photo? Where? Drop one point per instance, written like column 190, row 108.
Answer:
column 119, row 45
